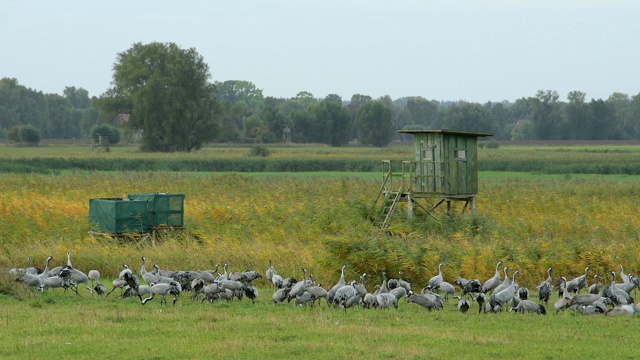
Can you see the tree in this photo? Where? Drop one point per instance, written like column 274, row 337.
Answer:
column 234, row 91
column 29, row 135
column 169, row 96
column 546, row 115
column 621, row 104
column 375, row 125
column 468, row 117
column 577, row 117
column 78, row 98
column 423, row 112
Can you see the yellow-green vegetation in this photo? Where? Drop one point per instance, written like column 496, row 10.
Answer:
column 567, row 223
column 529, row 222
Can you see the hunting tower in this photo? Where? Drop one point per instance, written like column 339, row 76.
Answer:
column 444, row 169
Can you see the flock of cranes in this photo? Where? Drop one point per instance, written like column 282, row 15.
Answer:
column 495, row 294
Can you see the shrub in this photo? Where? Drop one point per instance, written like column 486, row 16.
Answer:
column 259, row 150
column 29, row 134
column 13, row 134
column 106, row 130
column 492, row 144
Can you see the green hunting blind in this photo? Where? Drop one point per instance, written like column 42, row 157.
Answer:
column 163, row 210
column 444, row 169
column 117, row 216
column 138, row 213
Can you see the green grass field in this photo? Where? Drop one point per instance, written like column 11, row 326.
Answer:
column 530, row 220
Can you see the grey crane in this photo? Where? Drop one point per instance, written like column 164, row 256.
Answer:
column 618, row 296
column 368, row 300
column 623, row 276
column 402, row 283
column 628, row 286
column 120, row 283
column 596, row 286
column 386, row 300
column 621, row 309
column 446, row 288
column 335, row 288
column 424, row 301
column 505, row 283
column 147, row 276
column 481, row 298
column 78, row 277
column 546, row 288
column 317, row 291
column 473, row 286
column 233, row 285
column 251, row 292
column 584, row 299
column 280, row 295
column 209, row 275
column 383, row 288
column 504, row 296
column 399, row 292
column 344, row 294
column 392, row 283
column 56, row 270
column 133, row 282
column 163, row 289
column 574, row 285
column 289, row 282
column 530, row 307
column 31, row 269
column 437, row 299
column 277, row 280
column 298, row 288
column 37, row 281
column 210, row 292
column 62, row 280
column 437, row 279
column 565, row 300
column 94, row 276
column 304, row 299
column 461, row 283
column 269, row 273
column 224, row 276
column 196, row 287
column 523, row 294
column 162, row 278
column 463, row 304
column 492, row 283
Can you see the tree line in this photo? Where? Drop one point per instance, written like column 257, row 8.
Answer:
column 161, row 97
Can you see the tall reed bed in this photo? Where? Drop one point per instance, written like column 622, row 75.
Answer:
column 321, row 223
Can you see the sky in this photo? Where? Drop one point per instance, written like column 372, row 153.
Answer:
column 471, row 50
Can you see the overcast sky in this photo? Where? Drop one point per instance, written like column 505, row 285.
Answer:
column 471, row 50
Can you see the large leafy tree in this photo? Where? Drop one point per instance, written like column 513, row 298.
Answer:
column 166, row 90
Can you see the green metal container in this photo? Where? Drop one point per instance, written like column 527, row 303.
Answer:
column 118, row 215
column 163, row 209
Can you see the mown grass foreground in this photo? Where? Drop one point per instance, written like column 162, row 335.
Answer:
column 67, row 326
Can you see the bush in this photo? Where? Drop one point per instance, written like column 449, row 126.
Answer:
column 29, row 134
column 259, row 150
column 492, row 144
column 13, row 134
column 106, row 130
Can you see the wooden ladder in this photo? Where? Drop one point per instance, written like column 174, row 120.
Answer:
column 389, row 206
